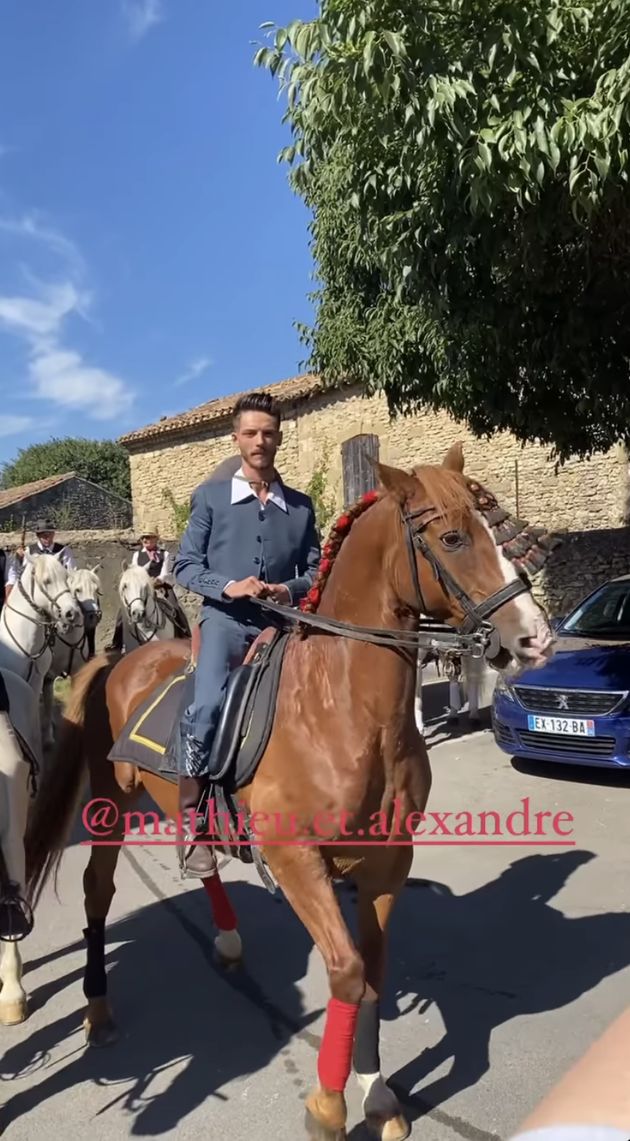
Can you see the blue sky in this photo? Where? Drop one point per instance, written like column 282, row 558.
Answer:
column 152, row 254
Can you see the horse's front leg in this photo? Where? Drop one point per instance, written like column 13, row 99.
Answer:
column 380, row 880
column 14, row 920
column 301, row 875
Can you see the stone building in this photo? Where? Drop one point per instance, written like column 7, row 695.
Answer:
column 334, row 432
column 68, row 500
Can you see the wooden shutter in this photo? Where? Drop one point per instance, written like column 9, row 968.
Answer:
column 358, row 472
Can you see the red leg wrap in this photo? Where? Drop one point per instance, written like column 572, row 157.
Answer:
column 222, row 910
column 335, row 1053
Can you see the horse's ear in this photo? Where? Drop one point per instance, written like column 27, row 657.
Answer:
column 398, row 483
column 124, row 566
column 454, row 458
column 95, row 570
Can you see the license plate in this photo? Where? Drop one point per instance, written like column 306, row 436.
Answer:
column 570, row 726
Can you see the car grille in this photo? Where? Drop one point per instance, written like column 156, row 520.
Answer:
column 503, row 734
column 541, row 700
column 554, row 743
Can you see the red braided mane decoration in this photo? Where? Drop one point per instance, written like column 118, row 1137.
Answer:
column 331, row 549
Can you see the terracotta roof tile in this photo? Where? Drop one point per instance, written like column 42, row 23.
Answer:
column 16, row 494
column 214, row 411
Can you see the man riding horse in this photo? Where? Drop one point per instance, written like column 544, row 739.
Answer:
column 248, row 536
column 155, row 560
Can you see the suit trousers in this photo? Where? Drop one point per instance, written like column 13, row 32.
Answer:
column 223, row 644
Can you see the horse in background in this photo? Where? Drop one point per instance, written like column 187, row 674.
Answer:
column 145, row 616
column 72, row 650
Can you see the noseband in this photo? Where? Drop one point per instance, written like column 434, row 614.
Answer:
column 476, row 615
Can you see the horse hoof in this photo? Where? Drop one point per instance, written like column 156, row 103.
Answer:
column 100, row 1033
column 228, row 949
column 317, row 1131
column 394, row 1129
column 12, row 1013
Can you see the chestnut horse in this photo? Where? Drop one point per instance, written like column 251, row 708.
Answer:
column 344, row 757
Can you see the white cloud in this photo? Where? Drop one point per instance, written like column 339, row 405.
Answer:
column 41, row 317
column 59, row 374
column 62, row 376
column 13, row 425
column 32, row 227
column 142, row 15
column 194, row 370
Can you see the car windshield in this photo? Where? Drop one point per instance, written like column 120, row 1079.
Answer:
column 606, row 614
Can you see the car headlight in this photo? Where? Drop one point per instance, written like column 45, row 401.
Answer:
column 504, row 689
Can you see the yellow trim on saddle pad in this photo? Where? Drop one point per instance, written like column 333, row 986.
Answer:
column 135, row 736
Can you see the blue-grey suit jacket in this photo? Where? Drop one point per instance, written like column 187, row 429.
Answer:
column 227, row 541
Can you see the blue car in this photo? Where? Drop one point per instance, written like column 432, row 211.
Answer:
column 575, row 709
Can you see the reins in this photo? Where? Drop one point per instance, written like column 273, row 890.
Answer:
column 473, row 637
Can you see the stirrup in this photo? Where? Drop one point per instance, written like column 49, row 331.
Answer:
column 16, row 915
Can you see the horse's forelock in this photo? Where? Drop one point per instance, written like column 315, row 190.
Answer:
column 48, row 566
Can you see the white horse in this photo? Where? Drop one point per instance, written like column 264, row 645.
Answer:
column 146, row 619
column 20, row 759
column 72, row 650
column 40, row 607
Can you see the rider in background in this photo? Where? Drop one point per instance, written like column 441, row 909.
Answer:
column 44, row 545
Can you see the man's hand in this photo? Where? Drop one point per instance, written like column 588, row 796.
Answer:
column 280, row 593
column 247, row 588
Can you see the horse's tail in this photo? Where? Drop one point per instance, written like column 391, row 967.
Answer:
column 62, row 780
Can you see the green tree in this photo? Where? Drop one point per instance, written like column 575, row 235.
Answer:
column 466, row 166
column 180, row 512
column 101, row 461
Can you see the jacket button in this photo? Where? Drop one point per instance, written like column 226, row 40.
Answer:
column 257, row 561
column 259, row 538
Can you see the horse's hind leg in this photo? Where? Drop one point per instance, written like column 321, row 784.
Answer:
column 99, row 889
column 379, row 888
column 301, row 874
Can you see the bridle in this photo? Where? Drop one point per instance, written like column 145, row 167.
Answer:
column 476, row 615
column 474, row 636
column 42, row 618
column 158, row 624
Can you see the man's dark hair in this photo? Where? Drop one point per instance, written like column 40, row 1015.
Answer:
column 257, row 402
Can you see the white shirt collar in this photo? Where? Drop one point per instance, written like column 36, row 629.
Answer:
column 242, row 491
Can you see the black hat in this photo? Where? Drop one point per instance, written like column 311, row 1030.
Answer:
column 44, row 525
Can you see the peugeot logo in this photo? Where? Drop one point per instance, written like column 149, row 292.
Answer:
column 563, row 701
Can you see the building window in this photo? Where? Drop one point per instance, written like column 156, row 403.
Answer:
column 358, row 455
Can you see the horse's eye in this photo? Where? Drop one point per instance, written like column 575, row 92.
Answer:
column 452, row 540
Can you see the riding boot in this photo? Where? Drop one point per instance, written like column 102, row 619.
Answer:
column 195, row 859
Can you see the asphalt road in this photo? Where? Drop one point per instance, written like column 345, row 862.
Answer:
column 505, row 963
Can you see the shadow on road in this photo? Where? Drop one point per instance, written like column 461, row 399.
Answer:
column 483, row 958
column 497, row 953
column 173, row 1003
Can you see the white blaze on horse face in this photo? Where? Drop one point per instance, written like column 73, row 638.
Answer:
column 86, row 588
column 136, row 587
column 532, row 635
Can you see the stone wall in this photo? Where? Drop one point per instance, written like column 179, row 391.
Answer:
column 584, row 561
column 580, row 495
column 73, row 504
